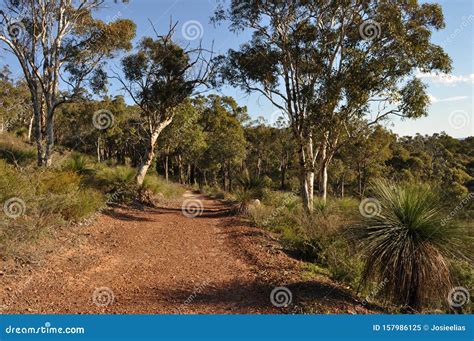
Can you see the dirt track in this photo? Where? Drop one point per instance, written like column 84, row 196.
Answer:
column 160, row 261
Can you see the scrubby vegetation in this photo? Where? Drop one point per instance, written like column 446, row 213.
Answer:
column 402, row 254
column 68, row 148
column 37, row 201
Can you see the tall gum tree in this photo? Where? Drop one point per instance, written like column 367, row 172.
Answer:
column 58, row 42
column 323, row 62
column 159, row 77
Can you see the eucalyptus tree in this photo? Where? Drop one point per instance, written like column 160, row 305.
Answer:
column 15, row 105
column 59, row 42
column 185, row 140
column 221, row 122
column 323, row 63
column 159, row 77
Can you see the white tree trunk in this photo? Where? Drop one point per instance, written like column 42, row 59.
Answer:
column 324, row 182
column 146, row 163
column 30, row 128
column 49, row 141
column 98, row 149
column 150, row 154
column 306, row 156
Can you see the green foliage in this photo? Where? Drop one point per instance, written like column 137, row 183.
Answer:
column 120, row 185
column 15, row 151
column 15, row 109
column 159, row 186
column 45, row 199
column 408, row 244
column 319, row 238
column 118, row 182
column 79, row 164
column 250, row 188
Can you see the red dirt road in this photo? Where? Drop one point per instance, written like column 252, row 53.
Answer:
column 157, row 261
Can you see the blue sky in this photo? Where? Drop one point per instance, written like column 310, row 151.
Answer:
column 452, row 96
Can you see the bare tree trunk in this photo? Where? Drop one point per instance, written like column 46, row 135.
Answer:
column 148, row 159
column 323, row 172
column 182, row 179
column 39, row 132
column 193, row 175
column 283, row 176
column 229, row 175
column 324, row 181
column 306, row 181
column 342, row 186
column 150, row 154
column 98, row 149
column 30, row 127
column 49, row 140
column 167, row 168
column 188, row 174
column 224, row 178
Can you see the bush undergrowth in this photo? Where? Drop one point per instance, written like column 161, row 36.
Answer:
column 35, row 201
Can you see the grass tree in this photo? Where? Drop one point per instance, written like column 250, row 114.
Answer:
column 58, row 42
column 408, row 244
column 322, row 63
column 159, row 77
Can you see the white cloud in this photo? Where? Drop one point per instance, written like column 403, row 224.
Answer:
column 433, row 99
column 445, row 79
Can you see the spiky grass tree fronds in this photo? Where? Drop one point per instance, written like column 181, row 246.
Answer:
column 407, row 244
column 79, row 164
column 250, row 188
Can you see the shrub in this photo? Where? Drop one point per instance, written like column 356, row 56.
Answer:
column 250, row 188
column 407, row 245
column 15, row 151
column 79, row 164
column 158, row 186
column 118, row 183
column 84, row 203
column 46, row 199
column 319, row 238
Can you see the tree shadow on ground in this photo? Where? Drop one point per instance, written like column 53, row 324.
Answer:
column 245, row 297
column 204, row 213
column 127, row 216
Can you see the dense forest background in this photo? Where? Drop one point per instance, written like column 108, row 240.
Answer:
column 212, row 141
